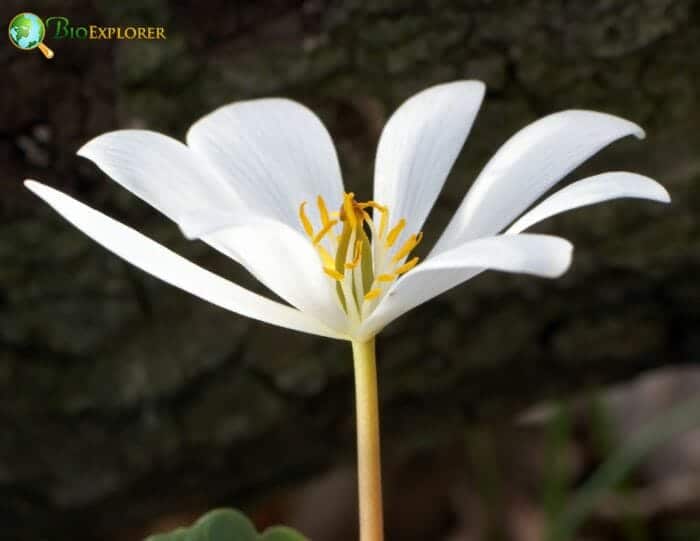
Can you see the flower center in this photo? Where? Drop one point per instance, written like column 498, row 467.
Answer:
column 361, row 256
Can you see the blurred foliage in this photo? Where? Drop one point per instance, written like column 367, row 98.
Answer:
column 568, row 510
column 227, row 525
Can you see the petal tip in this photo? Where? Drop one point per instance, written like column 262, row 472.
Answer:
column 625, row 126
column 650, row 189
column 34, row 186
column 566, row 260
column 42, row 191
column 107, row 142
column 90, row 149
column 664, row 196
column 564, row 255
column 633, row 128
column 83, row 151
column 86, row 148
column 639, row 132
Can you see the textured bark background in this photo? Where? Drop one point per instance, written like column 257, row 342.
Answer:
column 122, row 399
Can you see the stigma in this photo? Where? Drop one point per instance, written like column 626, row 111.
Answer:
column 358, row 251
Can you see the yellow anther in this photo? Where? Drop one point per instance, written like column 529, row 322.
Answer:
column 372, row 294
column 326, row 228
column 395, row 232
column 368, row 220
column 407, row 266
column 322, row 210
column 356, row 256
column 326, row 258
column 348, row 209
column 350, row 249
column 384, row 211
column 407, row 247
column 305, row 220
column 333, row 273
column 383, row 223
column 374, row 205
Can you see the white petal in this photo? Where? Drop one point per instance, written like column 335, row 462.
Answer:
column 526, row 166
column 274, row 152
column 592, row 190
column 286, row 262
column 179, row 183
column 174, row 269
column 165, row 173
column 541, row 255
column 418, row 147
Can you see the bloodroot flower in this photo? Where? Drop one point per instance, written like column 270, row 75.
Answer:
column 260, row 182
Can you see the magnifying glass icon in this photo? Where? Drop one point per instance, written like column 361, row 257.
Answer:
column 27, row 32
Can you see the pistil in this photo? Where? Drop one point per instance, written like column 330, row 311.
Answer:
column 358, row 256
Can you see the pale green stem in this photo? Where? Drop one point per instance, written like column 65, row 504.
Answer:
column 369, row 466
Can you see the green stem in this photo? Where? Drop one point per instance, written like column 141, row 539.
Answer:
column 368, row 448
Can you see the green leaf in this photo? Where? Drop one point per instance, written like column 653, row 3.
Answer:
column 281, row 533
column 227, row 525
column 224, row 525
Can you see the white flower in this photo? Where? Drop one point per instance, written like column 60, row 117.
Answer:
column 259, row 181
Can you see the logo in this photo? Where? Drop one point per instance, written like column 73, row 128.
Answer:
column 27, row 32
column 61, row 28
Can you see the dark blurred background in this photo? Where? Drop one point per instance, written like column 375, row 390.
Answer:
column 128, row 407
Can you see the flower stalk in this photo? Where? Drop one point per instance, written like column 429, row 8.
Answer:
column 368, row 442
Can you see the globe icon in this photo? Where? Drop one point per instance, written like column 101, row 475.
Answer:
column 27, row 32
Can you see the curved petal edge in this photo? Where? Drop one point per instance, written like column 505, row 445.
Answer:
column 526, row 166
column 541, row 255
column 172, row 268
column 590, row 191
column 419, row 145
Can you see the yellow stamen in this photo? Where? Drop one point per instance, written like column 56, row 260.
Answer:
column 407, row 247
column 323, row 210
column 326, row 228
column 305, row 220
column 395, row 232
column 356, row 256
column 350, row 249
column 374, row 205
column 372, row 294
column 326, row 258
column 348, row 209
column 384, row 211
column 407, row 266
column 333, row 273
column 383, row 223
